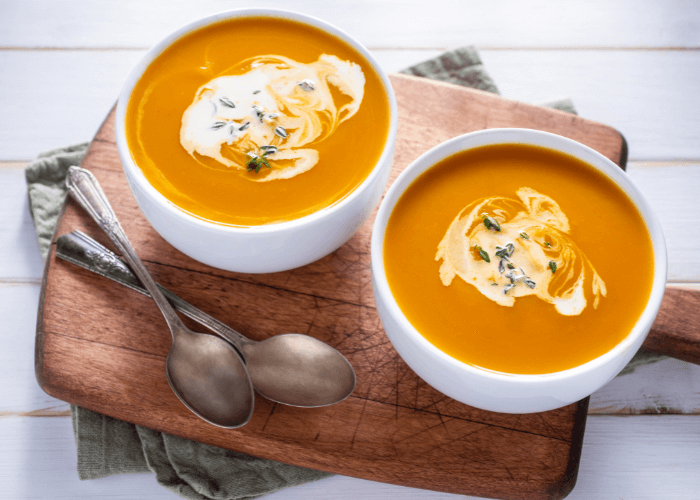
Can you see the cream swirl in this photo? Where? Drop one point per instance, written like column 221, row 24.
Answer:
column 538, row 231
column 272, row 107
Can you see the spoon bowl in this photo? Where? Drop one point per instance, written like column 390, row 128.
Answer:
column 199, row 369
column 299, row 370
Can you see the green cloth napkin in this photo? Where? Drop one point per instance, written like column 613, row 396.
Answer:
column 195, row 470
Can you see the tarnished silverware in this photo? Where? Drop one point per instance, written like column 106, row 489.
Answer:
column 291, row 369
column 206, row 373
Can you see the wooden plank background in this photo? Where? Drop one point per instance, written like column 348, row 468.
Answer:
column 634, row 65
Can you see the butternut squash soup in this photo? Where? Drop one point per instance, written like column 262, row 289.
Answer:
column 257, row 120
column 518, row 259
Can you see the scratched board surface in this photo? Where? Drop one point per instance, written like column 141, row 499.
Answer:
column 103, row 347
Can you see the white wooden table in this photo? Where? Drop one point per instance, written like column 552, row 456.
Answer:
column 634, row 65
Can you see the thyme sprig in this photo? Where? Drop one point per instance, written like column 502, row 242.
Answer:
column 256, row 162
column 513, row 276
column 259, row 112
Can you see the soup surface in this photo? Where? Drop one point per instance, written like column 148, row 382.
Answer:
column 257, row 120
column 518, row 259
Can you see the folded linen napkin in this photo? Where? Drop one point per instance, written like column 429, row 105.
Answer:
column 195, row 470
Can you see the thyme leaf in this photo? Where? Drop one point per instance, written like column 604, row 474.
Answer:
column 259, row 112
column 490, row 222
column 483, row 253
column 524, row 236
column 553, row 266
column 505, row 251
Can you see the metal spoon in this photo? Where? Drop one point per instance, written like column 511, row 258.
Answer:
column 291, row 369
column 206, row 373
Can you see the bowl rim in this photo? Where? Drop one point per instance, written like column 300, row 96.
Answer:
column 130, row 167
column 530, row 137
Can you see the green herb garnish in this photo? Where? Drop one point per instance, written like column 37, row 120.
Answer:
column 483, row 253
column 511, row 266
column 256, row 162
column 490, row 222
column 524, row 236
column 547, row 243
column 553, row 266
column 259, row 112
column 506, row 251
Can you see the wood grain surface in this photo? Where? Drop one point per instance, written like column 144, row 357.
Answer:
column 104, row 348
column 676, row 331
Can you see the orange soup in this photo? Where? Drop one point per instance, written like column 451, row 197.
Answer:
column 257, row 120
column 518, row 259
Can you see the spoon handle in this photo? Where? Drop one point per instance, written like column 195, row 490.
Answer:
column 81, row 250
column 85, row 189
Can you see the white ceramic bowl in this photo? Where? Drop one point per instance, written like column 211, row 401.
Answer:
column 267, row 248
column 496, row 391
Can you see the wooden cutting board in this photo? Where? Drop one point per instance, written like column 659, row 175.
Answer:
column 103, row 347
